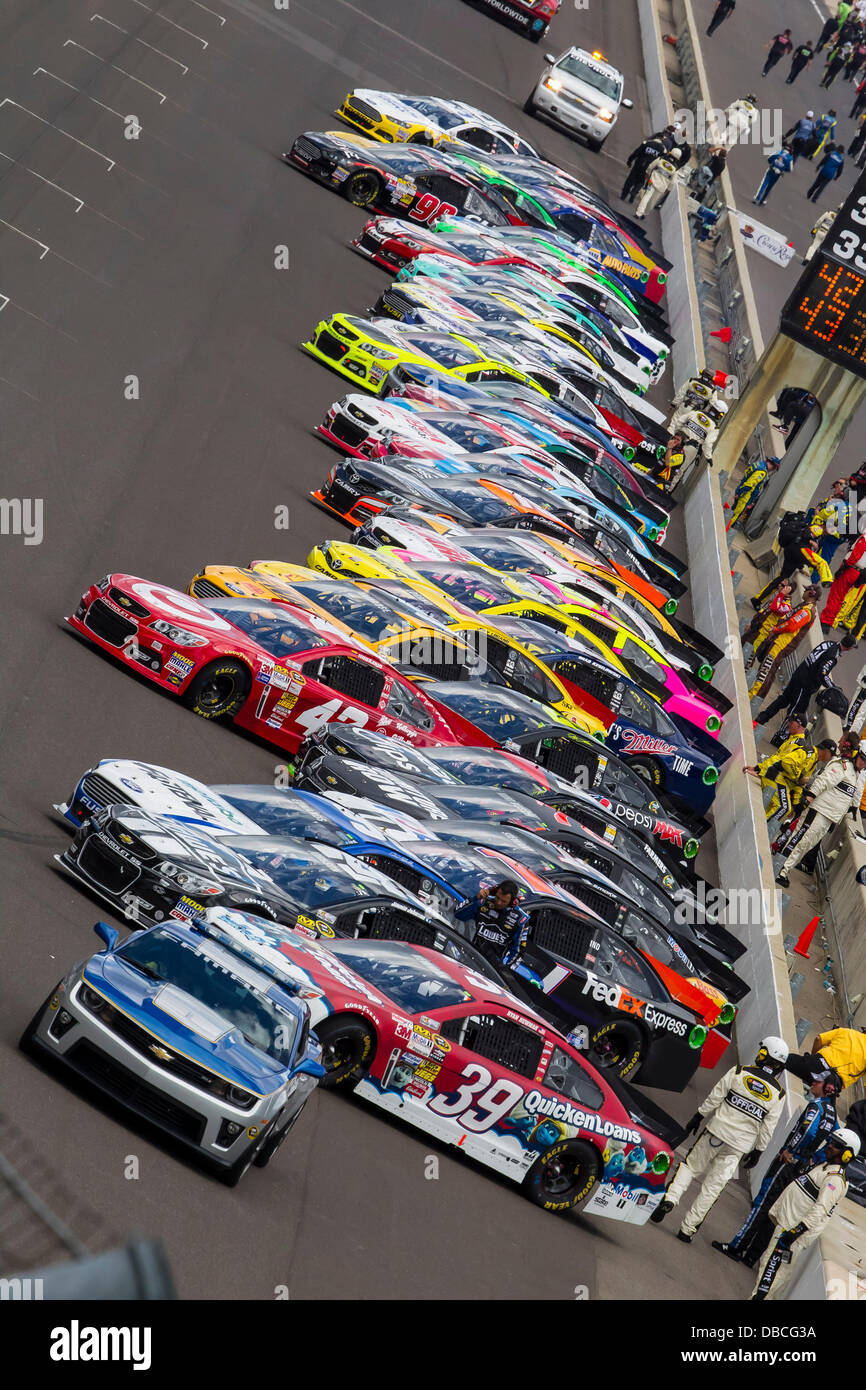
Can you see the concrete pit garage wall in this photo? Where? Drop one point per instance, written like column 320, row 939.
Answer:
column 742, row 841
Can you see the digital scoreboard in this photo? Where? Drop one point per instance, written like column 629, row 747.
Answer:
column 827, row 310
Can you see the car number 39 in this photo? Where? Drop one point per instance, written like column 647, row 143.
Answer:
column 481, row 1102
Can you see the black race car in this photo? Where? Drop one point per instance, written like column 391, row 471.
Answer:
column 403, row 179
column 149, row 868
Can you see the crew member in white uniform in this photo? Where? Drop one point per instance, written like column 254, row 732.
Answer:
column 660, row 179
column 834, row 792
column 741, row 1113
column 802, row 1212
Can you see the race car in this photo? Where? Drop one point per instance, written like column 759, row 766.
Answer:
column 531, row 17
column 396, row 117
column 408, row 1029
column 278, row 673
column 620, row 792
column 365, row 351
column 151, row 869
column 191, row 1036
column 393, row 244
column 403, row 178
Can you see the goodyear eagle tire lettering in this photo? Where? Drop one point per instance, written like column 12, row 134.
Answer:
column 562, row 1178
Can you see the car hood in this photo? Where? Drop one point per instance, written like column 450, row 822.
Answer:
column 181, row 1022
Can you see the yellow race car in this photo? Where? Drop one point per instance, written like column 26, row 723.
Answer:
column 425, row 615
column 365, row 351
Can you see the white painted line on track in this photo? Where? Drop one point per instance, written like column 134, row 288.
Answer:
column 71, row 43
column 183, row 67
column 166, row 20
column 72, row 85
column 19, row 308
column 5, row 299
column 7, row 382
column 7, row 101
column 65, row 191
column 45, row 248
column 220, row 17
column 74, row 196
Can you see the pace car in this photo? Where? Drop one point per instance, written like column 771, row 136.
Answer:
column 277, row 673
column 183, row 1028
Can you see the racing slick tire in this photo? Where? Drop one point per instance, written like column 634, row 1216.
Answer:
column 25, row 1042
column 529, row 105
column 363, row 188
column 272, row 1143
column 618, row 1046
column 219, row 690
column 348, row 1048
column 562, row 1178
column 648, row 771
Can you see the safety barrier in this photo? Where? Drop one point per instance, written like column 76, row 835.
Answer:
column 742, row 840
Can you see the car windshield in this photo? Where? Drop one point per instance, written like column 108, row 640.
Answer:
column 448, row 353
column 412, row 981
column 313, row 880
column 478, row 502
column 217, row 979
column 369, row 619
column 476, row 589
column 476, row 206
column 470, row 437
column 489, row 715
column 494, row 771
column 290, row 815
column 407, row 164
column 273, row 629
column 435, row 111
column 613, row 959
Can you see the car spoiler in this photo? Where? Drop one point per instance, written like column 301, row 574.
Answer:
column 693, row 638
column 703, row 742
column 644, row 1111
column 707, row 692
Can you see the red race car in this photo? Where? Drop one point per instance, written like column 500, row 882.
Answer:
column 393, row 244
column 452, row 1052
column 278, row 671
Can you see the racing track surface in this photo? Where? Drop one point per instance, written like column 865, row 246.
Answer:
column 160, row 264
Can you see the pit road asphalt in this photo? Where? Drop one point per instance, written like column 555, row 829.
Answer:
column 154, row 258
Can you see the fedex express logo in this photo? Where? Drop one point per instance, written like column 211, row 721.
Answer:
column 618, row 998
column 634, row 742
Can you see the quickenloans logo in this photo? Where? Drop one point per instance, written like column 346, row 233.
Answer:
column 77, row 1343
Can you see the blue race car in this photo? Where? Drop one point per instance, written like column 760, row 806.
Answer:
column 190, row 1036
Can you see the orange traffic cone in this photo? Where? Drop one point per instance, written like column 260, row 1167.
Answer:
column 805, row 940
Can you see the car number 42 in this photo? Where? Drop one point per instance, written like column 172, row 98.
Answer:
column 481, row 1102
column 311, row 720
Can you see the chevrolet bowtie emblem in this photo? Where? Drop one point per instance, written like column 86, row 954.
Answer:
column 161, row 1053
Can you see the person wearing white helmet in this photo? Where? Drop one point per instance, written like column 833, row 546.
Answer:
column 741, row 1113
column 660, row 178
column 802, row 1212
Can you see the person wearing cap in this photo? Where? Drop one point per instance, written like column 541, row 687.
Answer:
column 800, row 1150
column 822, row 227
column 661, row 176
column 837, row 59
column 782, row 642
column 834, row 793
column 746, row 494
column 824, row 127
column 778, row 47
column 833, row 516
column 802, row 1212
column 639, row 161
column 741, row 1112
column 800, row 135
column 800, row 59
column 830, row 168
column 821, row 754
column 843, row 1050
column 785, row 770
column 778, row 606
column 810, row 676
column 722, row 10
